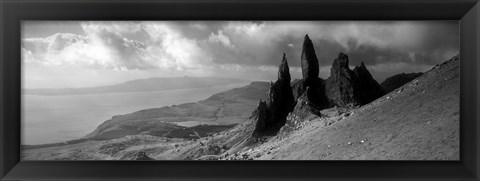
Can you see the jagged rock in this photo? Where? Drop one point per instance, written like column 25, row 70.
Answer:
column 272, row 113
column 345, row 87
column 281, row 98
column 303, row 112
column 284, row 71
column 304, row 103
column 396, row 81
column 297, row 89
column 262, row 118
column 317, row 94
column 309, row 59
column 369, row 88
column 310, row 79
column 342, row 86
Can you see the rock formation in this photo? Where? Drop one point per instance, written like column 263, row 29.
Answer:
column 341, row 87
column 304, row 104
column 345, row 87
column 369, row 87
column 303, row 112
column 310, row 71
column 309, row 60
column 396, row 81
column 317, row 95
column 271, row 114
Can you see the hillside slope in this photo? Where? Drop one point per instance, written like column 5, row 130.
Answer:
column 419, row 121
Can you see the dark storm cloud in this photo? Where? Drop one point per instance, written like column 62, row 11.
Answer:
column 420, row 43
column 430, row 42
column 204, row 46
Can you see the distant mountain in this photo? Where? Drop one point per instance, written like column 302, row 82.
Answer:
column 142, row 85
column 396, row 81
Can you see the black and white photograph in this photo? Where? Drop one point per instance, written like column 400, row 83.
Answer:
column 240, row 90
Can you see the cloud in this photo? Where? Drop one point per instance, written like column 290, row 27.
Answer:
column 64, row 48
column 105, row 46
column 414, row 43
column 238, row 48
column 220, row 38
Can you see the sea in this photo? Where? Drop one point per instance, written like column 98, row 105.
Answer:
column 54, row 119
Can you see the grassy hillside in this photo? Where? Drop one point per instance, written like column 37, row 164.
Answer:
column 418, row 121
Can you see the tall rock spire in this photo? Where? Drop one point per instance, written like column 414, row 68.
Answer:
column 272, row 114
column 310, row 71
column 309, row 59
column 284, row 70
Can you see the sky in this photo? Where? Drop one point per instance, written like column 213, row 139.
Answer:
column 61, row 54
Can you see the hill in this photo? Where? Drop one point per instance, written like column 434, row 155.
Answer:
column 418, row 121
column 141, row 85
column 225, row 108
column 396, row 81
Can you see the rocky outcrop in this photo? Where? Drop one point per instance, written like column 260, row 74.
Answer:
column 281, row 99
column 303, row 112
column 310, row 71
column 317, row 94
column 342, row 86
column 304, row 104
column 309, row 59
column 396, row 81
column 262, row 114
column 271, row 114
column 369, row 87
column 345, row 87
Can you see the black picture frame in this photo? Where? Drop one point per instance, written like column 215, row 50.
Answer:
column 467, row 12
